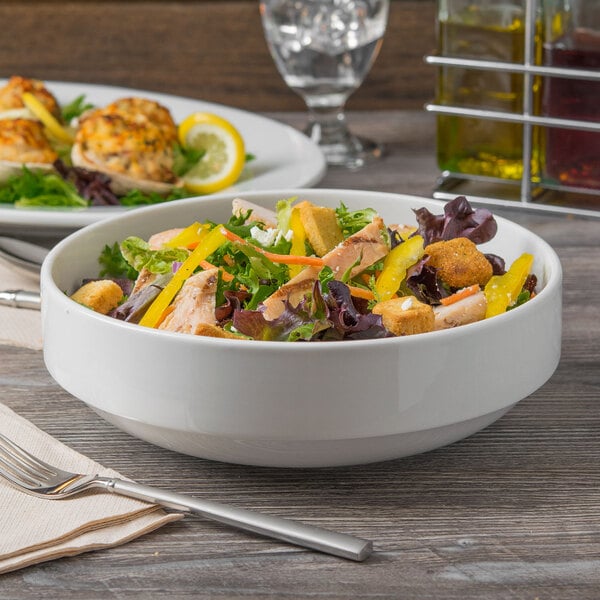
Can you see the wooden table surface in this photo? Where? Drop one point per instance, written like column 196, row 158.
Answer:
column 511, row 512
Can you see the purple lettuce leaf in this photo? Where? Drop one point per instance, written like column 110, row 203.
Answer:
column 324, row 316
column 134, row 308
column 423, row 281
column 348, row 322
column 498, row 264
column 233, row 302
column 91, row 185
column 460, row 219
column 295, row 323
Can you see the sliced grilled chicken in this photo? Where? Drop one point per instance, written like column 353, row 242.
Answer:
column 294, row 290
column 158, row 240
column 257, row 214
column 144, row 279
column 361, row 249
column 467, row 310
column 194, row 305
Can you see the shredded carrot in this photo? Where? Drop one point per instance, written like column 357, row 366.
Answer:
column 366, row 278
column 287, row 259
column 232, row 237
column 224, row 274
column 359, row 292
column 293, row 259
column 460, row 295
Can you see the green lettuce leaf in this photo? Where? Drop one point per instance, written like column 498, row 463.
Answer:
column 352, row 221
column 139, row 255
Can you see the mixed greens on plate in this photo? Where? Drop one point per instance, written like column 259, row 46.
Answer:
column 304, row 272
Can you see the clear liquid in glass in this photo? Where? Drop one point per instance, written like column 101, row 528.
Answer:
column 323, row 49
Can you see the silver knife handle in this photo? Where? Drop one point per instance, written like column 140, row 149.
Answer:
column 308, row 536
column 20, row 299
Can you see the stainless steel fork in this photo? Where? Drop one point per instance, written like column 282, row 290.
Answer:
column 34, row 476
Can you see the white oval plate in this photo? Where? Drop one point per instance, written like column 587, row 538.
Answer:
column 284, row 157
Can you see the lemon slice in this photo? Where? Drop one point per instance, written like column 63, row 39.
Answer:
column 224, row 153
column 47, row 119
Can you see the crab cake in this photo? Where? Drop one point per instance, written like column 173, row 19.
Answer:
column 23, row 141
column 153, row 111
column 132, row 141
column 11, row 95
column 459, row 262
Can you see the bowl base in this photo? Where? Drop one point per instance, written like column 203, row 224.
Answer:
column 302, row 453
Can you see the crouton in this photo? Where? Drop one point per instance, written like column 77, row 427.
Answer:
column 101, row 296
column 405, row 315
column 321, row 227
column 459, row 262
column 208, row 330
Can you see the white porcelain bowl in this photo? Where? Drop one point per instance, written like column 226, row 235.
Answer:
column 296, row 404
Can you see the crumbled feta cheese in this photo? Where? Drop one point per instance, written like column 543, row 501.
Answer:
column 266, row 237
column 408, row 303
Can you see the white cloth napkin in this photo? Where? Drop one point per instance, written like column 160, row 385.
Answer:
column 19, row 326
column 34, row 530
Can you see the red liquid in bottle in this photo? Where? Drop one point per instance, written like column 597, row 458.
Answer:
column 573, row 156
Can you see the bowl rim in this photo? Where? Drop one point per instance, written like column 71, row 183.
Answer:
column 51, row 289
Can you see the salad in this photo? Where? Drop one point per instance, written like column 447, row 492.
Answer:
column 128, row 153
column 303, row 272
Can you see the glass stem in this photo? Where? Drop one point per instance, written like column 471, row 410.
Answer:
column 327, row 125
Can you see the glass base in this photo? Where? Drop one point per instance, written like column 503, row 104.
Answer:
column 344, row 149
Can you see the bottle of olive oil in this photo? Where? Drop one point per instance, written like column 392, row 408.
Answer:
column 491, row 30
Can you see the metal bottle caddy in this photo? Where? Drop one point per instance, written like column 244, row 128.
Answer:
column 525, row 194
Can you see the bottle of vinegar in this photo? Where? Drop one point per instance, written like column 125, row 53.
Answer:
column 572, row 39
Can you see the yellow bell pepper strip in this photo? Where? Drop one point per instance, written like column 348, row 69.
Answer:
column 191, row 236
column 298, row 240
column 205, row 248
column 395, row 265
column 47, row 118
column 501, row 291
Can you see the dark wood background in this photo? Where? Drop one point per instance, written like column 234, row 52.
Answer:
column 213, row 50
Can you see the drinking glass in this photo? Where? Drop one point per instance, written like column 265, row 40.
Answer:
column 323, row 49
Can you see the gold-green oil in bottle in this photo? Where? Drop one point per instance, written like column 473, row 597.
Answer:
column 472, row 145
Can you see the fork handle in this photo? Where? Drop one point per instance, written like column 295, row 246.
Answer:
column 308, row 536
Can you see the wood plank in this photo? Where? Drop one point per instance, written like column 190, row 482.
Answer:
column 212, row 50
